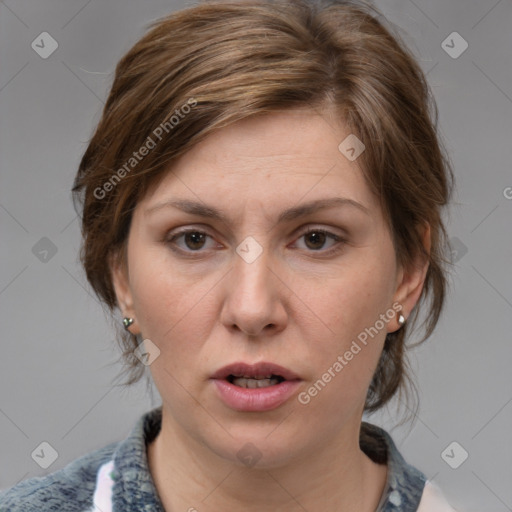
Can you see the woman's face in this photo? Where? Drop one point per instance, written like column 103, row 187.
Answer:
column 228, row 276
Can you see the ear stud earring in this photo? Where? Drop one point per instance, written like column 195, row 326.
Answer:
column 401, row 319
column 127, row 322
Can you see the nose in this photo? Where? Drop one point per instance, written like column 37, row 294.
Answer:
column 254, row 298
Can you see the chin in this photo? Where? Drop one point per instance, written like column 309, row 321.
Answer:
column 268, row 445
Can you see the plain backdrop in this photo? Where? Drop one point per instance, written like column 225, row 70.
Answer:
column 58, row 354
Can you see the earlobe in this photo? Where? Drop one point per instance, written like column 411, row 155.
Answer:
column 120, row 281
column 411, row 280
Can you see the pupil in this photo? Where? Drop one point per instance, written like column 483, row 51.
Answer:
column 318, row 237
column 196, row 238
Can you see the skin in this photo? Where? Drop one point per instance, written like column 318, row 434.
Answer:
column 297, row 305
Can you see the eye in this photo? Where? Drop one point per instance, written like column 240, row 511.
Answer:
column 316, row 238
column 192, row 240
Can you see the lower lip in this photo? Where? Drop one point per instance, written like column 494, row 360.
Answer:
column 258, row 399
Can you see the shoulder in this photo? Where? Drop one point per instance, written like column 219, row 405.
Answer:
column 407, row 488
column 433, row 500
column 69, row 489
column 405, row 483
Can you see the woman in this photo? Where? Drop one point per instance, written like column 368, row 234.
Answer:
column 261, row 202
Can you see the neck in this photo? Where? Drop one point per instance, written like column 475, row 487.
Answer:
column 337, row 475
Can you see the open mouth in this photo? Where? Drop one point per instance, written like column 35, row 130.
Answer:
column 255, row 387
column 255, row 382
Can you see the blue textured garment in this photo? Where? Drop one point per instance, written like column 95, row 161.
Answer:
column 71, row 489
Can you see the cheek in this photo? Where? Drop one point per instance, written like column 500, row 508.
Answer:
column 172, row 310
column 353, row 300
column 174, row 314
column 350, row 309
column 343, row 366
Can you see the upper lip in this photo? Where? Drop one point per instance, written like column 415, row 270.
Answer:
column 257, row 370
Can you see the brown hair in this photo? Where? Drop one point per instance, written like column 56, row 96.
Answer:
column 213, row 64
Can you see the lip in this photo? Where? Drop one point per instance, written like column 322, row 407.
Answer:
column 254, row 370
column 257, row 399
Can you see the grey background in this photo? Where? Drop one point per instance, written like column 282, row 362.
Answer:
column 58, row 354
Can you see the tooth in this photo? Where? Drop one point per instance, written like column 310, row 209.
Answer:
column 240, row 381
column 254, row 383
column 263, row 383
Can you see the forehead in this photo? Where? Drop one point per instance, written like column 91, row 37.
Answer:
column 271, row 160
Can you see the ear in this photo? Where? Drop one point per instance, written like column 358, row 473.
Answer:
column 410, row 281
column 121, row 283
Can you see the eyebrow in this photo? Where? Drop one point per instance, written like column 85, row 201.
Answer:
column 203, row 210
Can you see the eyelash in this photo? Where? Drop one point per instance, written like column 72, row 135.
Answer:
column 338, row 247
